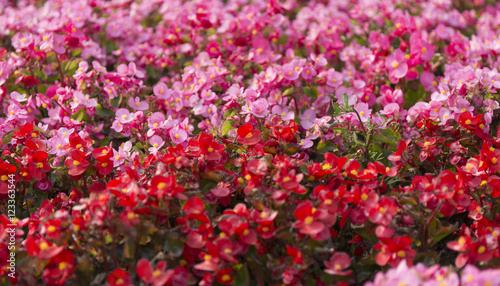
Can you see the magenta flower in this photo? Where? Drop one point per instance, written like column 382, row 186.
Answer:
column 156, row 143
column 319, row 61
column 292, row 70
column 178, row 135
column 308, row 73
column 396, row 64
column 137, row 104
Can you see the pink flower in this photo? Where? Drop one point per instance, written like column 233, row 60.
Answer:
column 156, row 143
column 319, row 61
column 283, row 112
column 178, row 135
column 161, row 91
column 305, row 143
column 292, row 70
column 16, row 96
column 132, row 68
column 259, row 108
column 124, row 116
column 363, row 111
column 396, row 64
column 137, row 104
column 307, row 118
column 462, row 105
column 4, row 72
column 122, row 70
column 334, row 78
column 338, row 263
column 444, row 115
column 308, row 73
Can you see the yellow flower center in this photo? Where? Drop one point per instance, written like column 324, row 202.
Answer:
column 308, row 220
column 481, row 249
column 44, row 245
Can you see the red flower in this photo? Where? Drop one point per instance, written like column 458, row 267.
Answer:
column 166, row 187
column 396, row 156
column 296, row 254
column 247, row 135
column 6, row 172
column 383, row 211
column 351, row 169
column 76, row 163
column 59, row 268
column 41, row 247
column 157, row 277
column 467, row 121
column 75, row 141
column 38, row 162
column 52, row 229
column 308, row 219
column 224, row 276
column 338, row 263
column 393, row 250
column 209, row 148
column 102, row 154
column 289, row 181
column 119, row 277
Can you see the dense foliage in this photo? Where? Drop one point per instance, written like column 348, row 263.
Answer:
column 250, row 142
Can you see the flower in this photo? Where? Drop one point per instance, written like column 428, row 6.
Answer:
column 396, row 64
column 76, row 163
column 137, row 104
column 156, row 143
column 119, row 277
column 178, row 135
column 338, row 263
column 156, row 277
column 247, row 135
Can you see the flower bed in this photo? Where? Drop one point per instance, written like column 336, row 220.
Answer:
column 249, row 143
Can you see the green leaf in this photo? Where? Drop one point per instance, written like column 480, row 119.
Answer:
column 230, row 113
column 103, row 112
column 139, row 146
column 443, row 232
column 241, row 276
column 390, row 134
column 345, row 100
column 114, row 102
column 413, row 96
column 79, row 115
column 129, row 248
column 289, row 91
column 7, row 137
column 226, row 126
